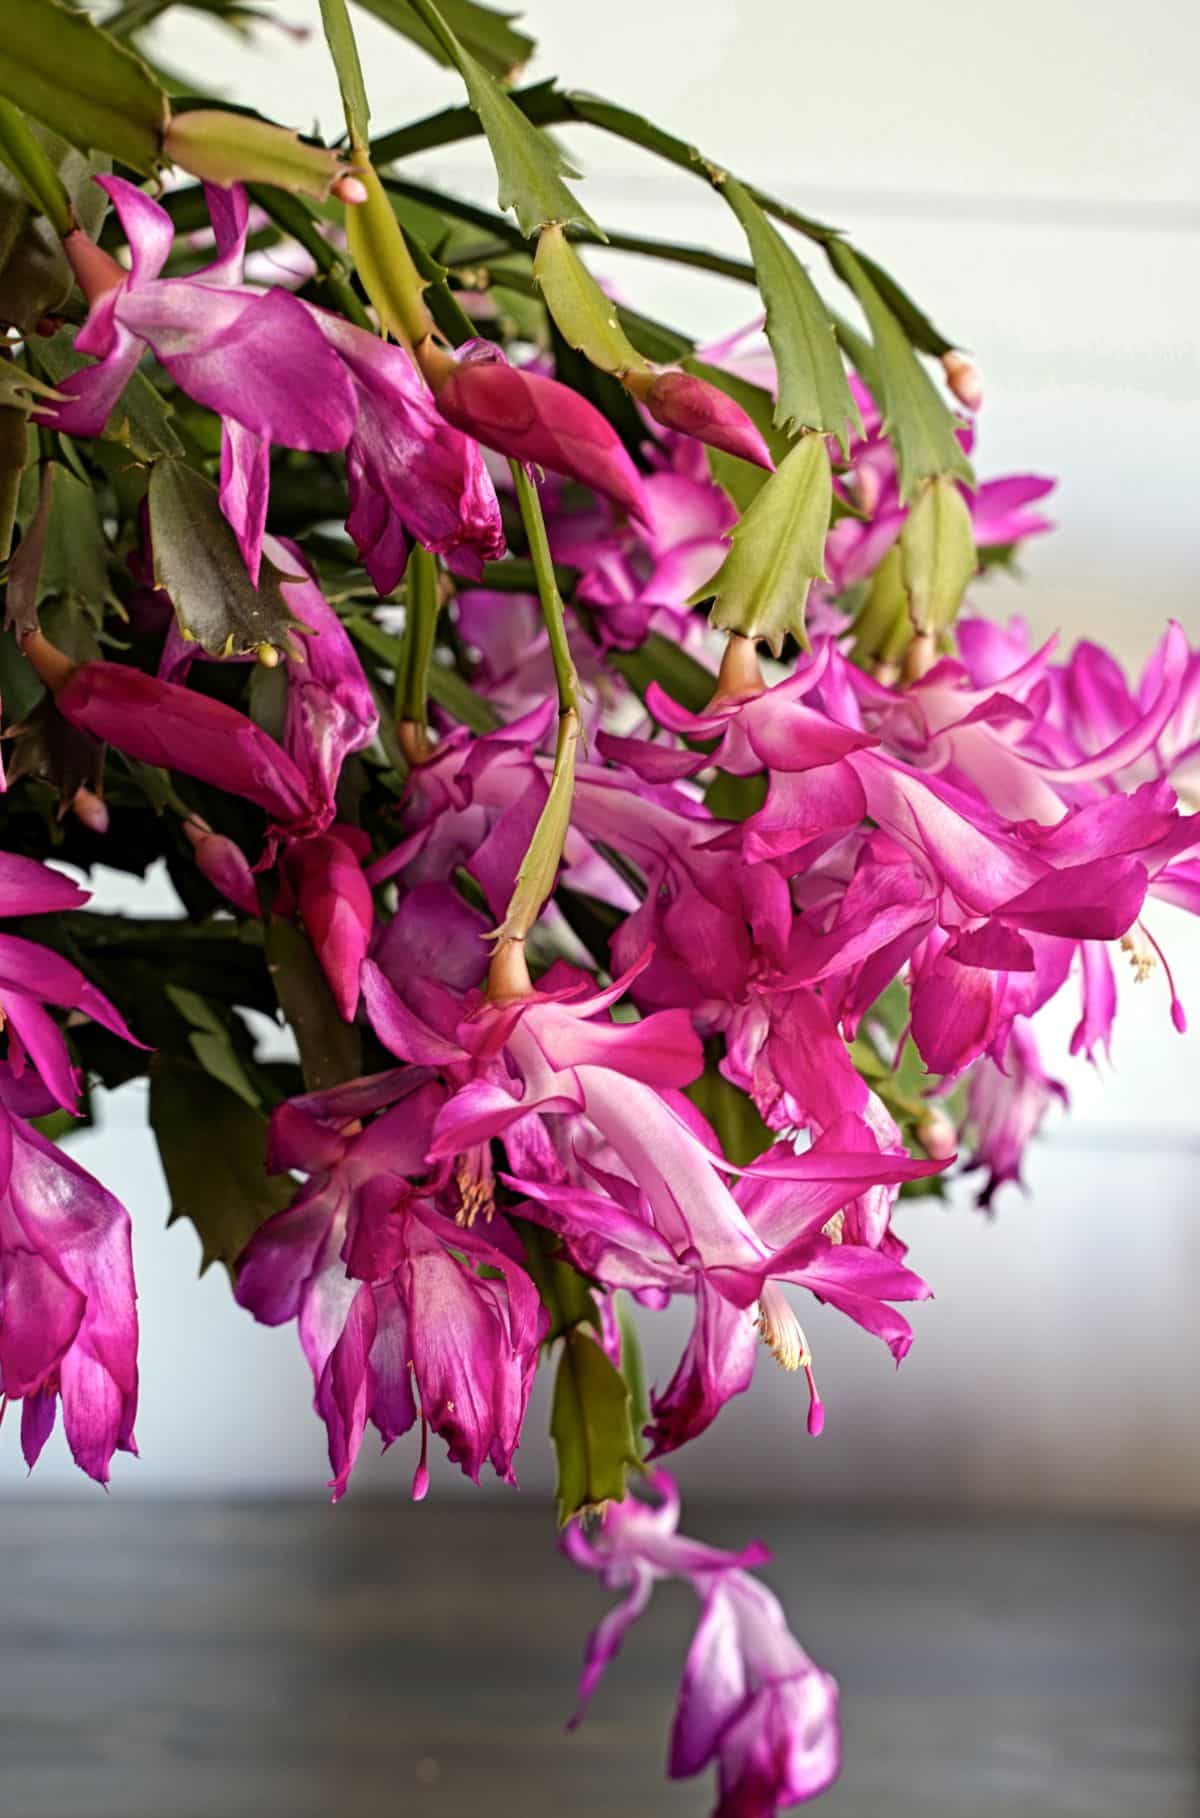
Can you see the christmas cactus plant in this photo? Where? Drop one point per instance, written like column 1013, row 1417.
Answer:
column 577, row 737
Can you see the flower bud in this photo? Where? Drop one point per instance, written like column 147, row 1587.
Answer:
column 351, row 191
column 334, row 903
column 691, row 406
column 536, row 420
column 964, row 379
column 90, row 809
column 937, row 1135
column 224, row 864
column 224, row 148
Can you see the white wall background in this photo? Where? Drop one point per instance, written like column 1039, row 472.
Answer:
column 1030, row 172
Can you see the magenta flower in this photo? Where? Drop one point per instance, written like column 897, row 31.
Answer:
column 32, row 976
column 238, row 351
column 401, row 1311
column 1006, row 1107
column 751, row 1701
column 222, row 861
column 794, row 1207
column 68, row 1319
column 534, row 419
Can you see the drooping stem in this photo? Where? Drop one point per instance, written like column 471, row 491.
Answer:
column 547, row 588
column 412, row 673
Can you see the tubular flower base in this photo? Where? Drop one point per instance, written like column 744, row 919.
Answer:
column 355, row 581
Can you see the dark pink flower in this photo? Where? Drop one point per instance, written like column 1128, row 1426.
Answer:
column 239, row 351
column 68, row 1319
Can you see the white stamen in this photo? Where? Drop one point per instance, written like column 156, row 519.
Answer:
column 781, row 1331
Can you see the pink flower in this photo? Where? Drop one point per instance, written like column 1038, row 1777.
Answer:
column 32, row 976
column 68, row 1319
column 400, row 1310
column 751, row 1700
column 1007, row 1103
column 238, row 351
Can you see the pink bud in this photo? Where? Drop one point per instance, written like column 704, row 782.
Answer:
column 224, row 864
column 335, row 905
column 534, row 419
column 937, row 1135
column 350, row 190
column 693, row 407
column 163, row 723
column 964, row 379
column 90, row 809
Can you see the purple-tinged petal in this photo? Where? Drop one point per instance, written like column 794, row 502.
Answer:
column 147, row 226
column 401, row 1032
column 692, row 407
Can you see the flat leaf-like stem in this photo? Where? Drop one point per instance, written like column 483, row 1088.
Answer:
column 198, row 564
column 530, row 166
column 776, row 551
column 61, row 68
column 591, row 1426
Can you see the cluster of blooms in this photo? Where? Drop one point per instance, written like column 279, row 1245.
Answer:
column 797, row 882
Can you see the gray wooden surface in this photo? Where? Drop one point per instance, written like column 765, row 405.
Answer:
column 202, row 1660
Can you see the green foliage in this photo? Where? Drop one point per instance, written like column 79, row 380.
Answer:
column 539, row 867
column 735, row 798
column 29, row 161
column 633, row 1369
column 330, row 1050
column 657, row 659
column 212, row 1044
column 937, row 549
column 61, row 68
column 488, row 35
column 530, row 167
column 586, row 318
column 915, row 415
column 592, row 1428
column 339, row 35
column 813, row 391
column 777, row 550
column 197, row 562
column 741, row 1131
column 62, row 554
column 211, row 1143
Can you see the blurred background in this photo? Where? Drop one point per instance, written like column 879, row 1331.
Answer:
column 1030, row 173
